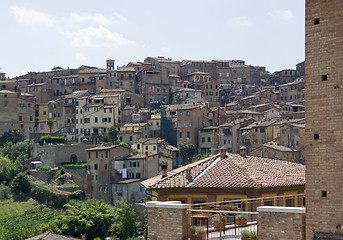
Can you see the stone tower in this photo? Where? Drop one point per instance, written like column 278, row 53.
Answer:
column 324, row 118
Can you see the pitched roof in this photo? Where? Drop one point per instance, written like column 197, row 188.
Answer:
column 233, row 172
column 51, row 236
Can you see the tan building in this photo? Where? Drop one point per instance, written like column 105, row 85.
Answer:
column 39, row 90
column 127, row 78
column 278, row 152
column 208, row 140
column 95, row 115
column 292, row 92
column 101, row 165
column 324, row 128
column 131, row 132
column 18, row 112
column 181, row 123
column 155, row 125
column 210, row 92
column 187, row 96
column 256, row 134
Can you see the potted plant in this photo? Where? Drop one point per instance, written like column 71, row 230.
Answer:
column 241, row 219
column 248, row 235
column 219, row 222
column 197, row 233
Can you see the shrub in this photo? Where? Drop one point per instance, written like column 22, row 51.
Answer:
column 20, row 183
column 51, row 139
column 240, row 217
column 44, row 168
column 4, row 191
column 197, row 230
column 249, row 234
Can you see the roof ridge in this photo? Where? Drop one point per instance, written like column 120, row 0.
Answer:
column 185, row 168
column 204, row 171
column 245, row 171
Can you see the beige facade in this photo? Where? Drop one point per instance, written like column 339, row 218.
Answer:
column 16, row 111
column 131, row 132
column 292, row 92
column 127, row 78
column 208, row 140
column 95, row 115
column 101, row 163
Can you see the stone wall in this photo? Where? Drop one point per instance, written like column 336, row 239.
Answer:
column 167, row 220
column 282, row 223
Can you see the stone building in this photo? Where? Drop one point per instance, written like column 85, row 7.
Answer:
column 17, row 111
column 292, row 92
column 101, row 165
column 127, row 78
column 324, row 128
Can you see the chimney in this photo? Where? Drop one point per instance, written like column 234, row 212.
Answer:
column 223, row 152
column 243, row 151
column 83, row 236
column 164, row 166
column 188, row 174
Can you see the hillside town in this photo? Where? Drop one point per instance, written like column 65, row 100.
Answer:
column 178, row 149
column 155, row 105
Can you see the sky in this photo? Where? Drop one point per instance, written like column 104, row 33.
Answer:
column 37, row 35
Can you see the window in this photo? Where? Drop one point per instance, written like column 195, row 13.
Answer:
column 154, row 148
column 180, row 134
column 96, row 166
column 106, row 154
column 105, row 166
column 138, row 146
column 188, row 134
column 96, row 154
column 96, row 119
column 20, row 118
column 130, row 138
column 138, row 175
column 203, row 140
column 208, row 139
column 146, row 148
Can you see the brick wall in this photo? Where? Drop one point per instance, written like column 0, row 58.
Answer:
column 282, row 223
column 167, row 220
column 324, row 114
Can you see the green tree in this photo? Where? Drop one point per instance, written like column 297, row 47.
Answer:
column 12, row 135
column 113, row 134
column 8, row 168
column 127, row 222
column 187, row 151
column 91, row 217
column 50, row 123
column 20, row 184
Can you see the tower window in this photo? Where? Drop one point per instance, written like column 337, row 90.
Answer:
column 316, row 136
column 324, row 194
column 316, row 21
column 324, row 77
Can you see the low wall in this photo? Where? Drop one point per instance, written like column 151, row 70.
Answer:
column 282, row 223
column 167, row 220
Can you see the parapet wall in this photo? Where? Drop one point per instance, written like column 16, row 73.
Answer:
column 167, row 220
column 282, row 223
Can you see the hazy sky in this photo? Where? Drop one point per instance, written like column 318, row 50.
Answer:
column 37, row 35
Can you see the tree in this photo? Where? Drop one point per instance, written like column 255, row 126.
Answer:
column 8, row 169
column 91, row 217
column 113, row 134
column 20, row 184
column 50, row 123
column 95, row 219
column 127, row 223
column 187, row 151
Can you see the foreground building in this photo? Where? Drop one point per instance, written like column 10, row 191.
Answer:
column 225, row 176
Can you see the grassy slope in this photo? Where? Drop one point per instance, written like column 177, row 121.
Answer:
column 23, row 218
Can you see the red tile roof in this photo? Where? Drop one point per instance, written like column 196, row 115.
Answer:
column 234, row 171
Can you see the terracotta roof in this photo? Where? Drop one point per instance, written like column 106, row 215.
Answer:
column 280, row 148
column 235, row 172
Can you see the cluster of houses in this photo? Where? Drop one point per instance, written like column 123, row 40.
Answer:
column 156, row 105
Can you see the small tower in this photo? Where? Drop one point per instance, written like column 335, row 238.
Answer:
column 110, row 64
